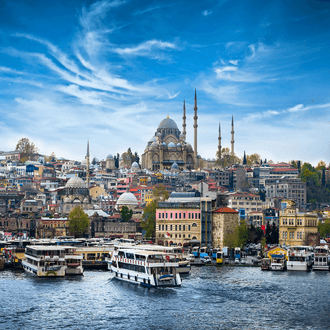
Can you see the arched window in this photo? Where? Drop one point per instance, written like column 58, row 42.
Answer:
column 194, row 224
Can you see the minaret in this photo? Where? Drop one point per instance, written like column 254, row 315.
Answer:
column 184, row 120
column 87, row 165
column 232, row 136
column 195, row 131
column 219, row 143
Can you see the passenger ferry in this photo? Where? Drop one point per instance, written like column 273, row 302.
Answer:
column 321, row 261
column 44, row 260
column 151, row 269
column 300, row 258
column 73, row 261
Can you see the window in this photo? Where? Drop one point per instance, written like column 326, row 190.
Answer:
column 163, row 215
column 184, row 215
column 166, row 227
column 292, row 235
column 176, row 227
column 170, row 227
column 162, row 227
column 159, row 227
column 176, row 215
column 189, row 215
column 166, row 215
column 171, row 215
column 179, row 215
column 179, row 227
column 194, row 224
column 192, row 215
column 184, row 227
column 189, row 229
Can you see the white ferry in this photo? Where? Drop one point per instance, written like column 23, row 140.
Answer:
column 321, row 261
column 73, row 261
column 300, row 258
column 44, row 260
column 151, row 269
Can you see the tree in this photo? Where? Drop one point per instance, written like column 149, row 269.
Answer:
column 253, row 159
column 26, row 148
column 78, row 222
column 51, row 158
column 321, row 165
column 160, row 193
column 227, row 159
column 126, row 213
column 149, row 219
column 237, row 236
column 324, row 228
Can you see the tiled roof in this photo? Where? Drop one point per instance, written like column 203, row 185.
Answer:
column 225, row 210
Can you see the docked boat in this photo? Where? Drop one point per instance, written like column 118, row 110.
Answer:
column 321, row 258
column 300, row 258
column 94, row 257
column 73, row 261
column 44, row 260
column 278, row 262
column 265, row 264
column 151, row 269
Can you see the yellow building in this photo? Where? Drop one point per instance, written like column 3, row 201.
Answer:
column 96, row 191
column 296, row 228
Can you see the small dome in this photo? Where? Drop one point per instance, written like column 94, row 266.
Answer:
column 77, row 201
column 181, row 136
column 95, row 160
column 175, row 166
column 171, row 145
column 135, row 167
column 127, row 199
column 188, row 145
column 75, row 182
column 164, row 144
column 67, row 200
column 154, row 144
column 168, row 123
column 158, row 134
column 109, row 156
column 85, row 201
column 179, row 145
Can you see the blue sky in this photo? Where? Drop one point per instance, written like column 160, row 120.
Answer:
column 110, row 71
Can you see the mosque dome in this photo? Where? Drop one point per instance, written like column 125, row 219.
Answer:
column 158, row 134
column 127, row 198
column 175, row 167
column 67, row 200
column 164, row 144
column 75, row 182
column 179, row 145
column 135, row 167
column 109, row 156
column 168, row 123
column 95, row 160
column 84, row 162
column 154, row 144
column 85, row 201
column 171, row 145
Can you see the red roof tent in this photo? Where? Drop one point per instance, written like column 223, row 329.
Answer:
column 225, row 210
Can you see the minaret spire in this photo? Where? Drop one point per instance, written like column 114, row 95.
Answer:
column 184, row 120
column 219, row 143
column 87, row 165
column 195, row 131
column 232, row 136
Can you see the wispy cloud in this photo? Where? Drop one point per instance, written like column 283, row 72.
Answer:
column 207, row 12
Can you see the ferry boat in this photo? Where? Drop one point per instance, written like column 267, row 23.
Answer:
column 321, row 261
column 278, row 262
column 44, row 260
column 73, row 261
column 265, row 264
column 148, row 268
column 94, row 257
column 300, row 258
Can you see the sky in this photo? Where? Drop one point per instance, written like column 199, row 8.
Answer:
column 110, row 71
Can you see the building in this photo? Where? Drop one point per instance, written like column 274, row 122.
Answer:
column 297, row 228
column 224, row 219
column 245, row 201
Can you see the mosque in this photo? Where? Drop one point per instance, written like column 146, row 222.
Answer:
column 168, row 148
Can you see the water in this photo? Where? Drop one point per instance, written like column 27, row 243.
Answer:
column 209, row 298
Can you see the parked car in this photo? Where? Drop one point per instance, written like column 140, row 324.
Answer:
column 236, row 261
column 206, row 260
column 243, row 261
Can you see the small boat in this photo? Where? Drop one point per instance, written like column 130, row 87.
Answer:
column 151, row 269
column 265, row 264
column 300, row 258
column 278, row 262
column 321, row 258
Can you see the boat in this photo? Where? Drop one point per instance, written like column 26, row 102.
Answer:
column 44, row 261
column 321, row 260
column 147, row 268
column 277, row 262
column 94, row 257
column 265, row 264
column 300, row 258
column 73, row 261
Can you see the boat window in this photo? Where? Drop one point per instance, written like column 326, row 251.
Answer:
column 129, row 255
column 121, row 253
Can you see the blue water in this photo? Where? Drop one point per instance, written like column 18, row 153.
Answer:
column 209, row 298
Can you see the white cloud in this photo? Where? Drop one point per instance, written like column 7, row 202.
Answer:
column 207, row 12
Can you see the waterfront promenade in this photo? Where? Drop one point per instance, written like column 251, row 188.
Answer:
column 209, row 298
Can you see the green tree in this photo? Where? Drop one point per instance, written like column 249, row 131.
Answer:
column 26, row 148
column 321, row 165
column 237, row 236
column 78, row 222
column 253, row 159
column 160, row 193
column 126, row 213
column 227, row 159
column 324, row 228
column 149, row 219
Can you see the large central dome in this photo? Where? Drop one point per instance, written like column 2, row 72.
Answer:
column 168, row 123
